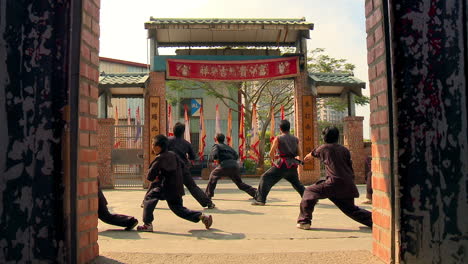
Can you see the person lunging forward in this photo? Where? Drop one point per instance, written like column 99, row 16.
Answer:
column 165, row 174
column 338, row 187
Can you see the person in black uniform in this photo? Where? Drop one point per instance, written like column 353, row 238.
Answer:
column 283, row 166
column 184, row 150
column 166, row 176
column 129, row 222
column 338, row 187
column 227, row 158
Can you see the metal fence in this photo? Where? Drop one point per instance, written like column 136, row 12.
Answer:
column 127, row 156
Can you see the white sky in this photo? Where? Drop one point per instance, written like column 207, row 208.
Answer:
column 339, row 26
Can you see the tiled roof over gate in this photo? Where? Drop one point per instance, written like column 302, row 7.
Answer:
column 246, row 21
column 123, row 79
column 336, row 79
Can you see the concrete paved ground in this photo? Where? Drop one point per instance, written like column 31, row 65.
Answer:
column 241, row 233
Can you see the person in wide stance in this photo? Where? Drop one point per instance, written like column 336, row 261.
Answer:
column 126, row 221
column 166, row 176
column 338, row 187
column 283, row 153
column 228, row 166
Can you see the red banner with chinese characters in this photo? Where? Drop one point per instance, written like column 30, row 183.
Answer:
column 232, row 70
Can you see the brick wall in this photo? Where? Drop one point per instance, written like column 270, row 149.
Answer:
column 353, row 140
column 105, row 135
column 88, row 138
column 379, row 122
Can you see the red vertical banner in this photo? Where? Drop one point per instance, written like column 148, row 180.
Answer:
column 218, row 121
column 202, row 136
column 229, row 128
column 272, row 125
column 241, row 135
column 187, row 124
column 169, row 121
column 138, row 127
column 308, row 127
column 154, row 109
column 255, row 139
column 129, row 129
column 282, row 112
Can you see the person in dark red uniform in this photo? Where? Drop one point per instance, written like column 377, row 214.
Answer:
column 228, row 166
column 284, row 165
column 339, row 184
column 184, row 150
column 129, row 222
column 166, row 176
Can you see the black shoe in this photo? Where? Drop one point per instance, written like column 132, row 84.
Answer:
column 258, row 203
column 132, row 225
column 211, row 206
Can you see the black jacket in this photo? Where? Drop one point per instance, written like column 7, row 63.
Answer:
column 165, row 173
column 226, row 155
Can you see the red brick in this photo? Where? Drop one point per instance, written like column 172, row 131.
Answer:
column 377, row 3
column 83, row 171
column 93, row 171
column 370, row 41
column 379, row 49
column 83, row 123
column 85, row 52
column 93, row 204
column 84, row 89
column 378, row 33
column 370, row 56
column 372, row 73
column 82, row 206
column 380, row 68
column 373, row 104
column 375, row 135
column 87, row 37
column 95, row 27
column 88, row 155
column 369, row 8
column 84, row 139
column 384, row 133
column 83, row 239
column 382, row 100
column 94, row 58
column 93, row 235
column 93, row 187
column 84, row 108
column 93, row 91
column 93, row 108
column 92, row 140
column 376, row 233
column 82, row 188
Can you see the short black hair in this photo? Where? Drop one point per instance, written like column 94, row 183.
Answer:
column 330, row 134
column 284, row 125
column 179, row 129
column 162, row 141
column 220, row 137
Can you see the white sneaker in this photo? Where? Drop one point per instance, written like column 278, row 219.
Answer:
column 303, row 226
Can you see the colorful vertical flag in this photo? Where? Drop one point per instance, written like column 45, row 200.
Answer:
column 138, row 125
column 282, row 112
column 255, row 140
column 272, row 125
column 187, row 124
column 169, row 121
column 116, row 119
column 202, row 136
column 218, row 121
column 241, row 135
column 229, row 128
column 129, row 129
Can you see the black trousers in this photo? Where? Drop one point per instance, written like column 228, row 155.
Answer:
column 112, row 219
column 369, row 186
column 234, row 174
column 319, row 191
column 272, row 176
column 193, row 188
column 176, row 205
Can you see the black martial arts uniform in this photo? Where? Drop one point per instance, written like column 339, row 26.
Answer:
column 338, row 186
column 284, row 167
column 182, row 148
column 113, row 219
column 165, row 173
column 228, row 166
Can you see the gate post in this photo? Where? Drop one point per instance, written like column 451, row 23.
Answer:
column 105, row 136
column 155, row 115
column 305, row 125
column 354, row 141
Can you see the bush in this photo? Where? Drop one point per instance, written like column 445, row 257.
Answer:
column 250, row 166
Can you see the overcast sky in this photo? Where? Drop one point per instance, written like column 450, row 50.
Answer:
column 339, row 26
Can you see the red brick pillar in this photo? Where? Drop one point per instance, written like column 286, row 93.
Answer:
column 379, row 121
column 301, row 89
column 87, row 235
column 353, row 140
column 105, row 142
column 156, row 88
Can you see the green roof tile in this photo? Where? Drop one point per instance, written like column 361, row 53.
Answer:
column 123, row 79
column 336, row 79
column 278, row 21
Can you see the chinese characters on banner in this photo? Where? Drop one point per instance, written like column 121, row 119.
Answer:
column 232, row 70
column 308, row 128
column 154, row 102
